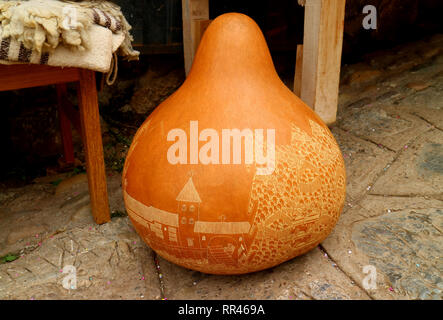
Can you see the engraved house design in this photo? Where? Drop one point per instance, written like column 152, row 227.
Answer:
column 184, row 235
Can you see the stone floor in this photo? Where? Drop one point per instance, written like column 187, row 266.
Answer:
column 390, row 129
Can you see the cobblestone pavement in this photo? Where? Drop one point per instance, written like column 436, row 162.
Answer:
column 390, row 130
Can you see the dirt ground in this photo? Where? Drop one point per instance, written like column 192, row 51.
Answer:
column 390, row 130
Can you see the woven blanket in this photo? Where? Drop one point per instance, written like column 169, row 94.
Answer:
column 61, row 33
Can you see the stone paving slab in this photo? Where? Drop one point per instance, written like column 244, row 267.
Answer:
column 427, row 104
column 417, row 171
column 383, row 125
column 400, row 237
column 399, row 74
column 311, row 276
column 405, row 246
column 363, row 160
column 41, row 209
column 110, row 262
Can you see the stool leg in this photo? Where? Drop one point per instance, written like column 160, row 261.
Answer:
column 65, row 124
column 92, row 140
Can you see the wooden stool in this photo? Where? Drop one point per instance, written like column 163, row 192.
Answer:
column 86, row 121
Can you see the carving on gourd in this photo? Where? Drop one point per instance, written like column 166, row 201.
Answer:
column 284, row 220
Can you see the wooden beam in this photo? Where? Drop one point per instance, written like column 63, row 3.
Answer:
column 20, row 76
column 192, row 10
column 200, row 26
column 92, row 140
column 322, row 48
column 298, row 70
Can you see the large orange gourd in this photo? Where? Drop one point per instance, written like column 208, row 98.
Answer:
column 204, row 201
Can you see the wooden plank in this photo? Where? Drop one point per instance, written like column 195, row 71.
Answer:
column 310, row 51
column 192, row 10
column 200, row 26
column 95, row 166
column 298, row 70
column 322, row 48
column 19, row 76
column 330, row 52
column 65, row 124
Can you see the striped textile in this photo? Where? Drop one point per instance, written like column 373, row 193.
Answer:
column 106, row 20
column 14, row 51
column 98, row 57
column 104, row 15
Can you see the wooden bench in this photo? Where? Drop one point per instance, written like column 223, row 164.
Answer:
column 317, row 72
column 86, row 120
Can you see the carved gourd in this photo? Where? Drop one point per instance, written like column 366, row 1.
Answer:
column 233, row 173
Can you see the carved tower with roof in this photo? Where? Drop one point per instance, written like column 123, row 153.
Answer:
column 188, row 209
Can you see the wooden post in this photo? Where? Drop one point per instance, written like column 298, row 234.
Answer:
column 322, row 48
column 200, row 26
column 92, row 140
column 192, row 10
column 298, row 70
